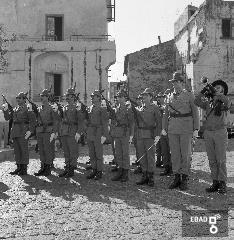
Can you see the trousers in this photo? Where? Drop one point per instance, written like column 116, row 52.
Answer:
column 180, row 146
column 216, row 145
column 20, row 145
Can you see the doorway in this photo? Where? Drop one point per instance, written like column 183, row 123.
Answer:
column 53, row 81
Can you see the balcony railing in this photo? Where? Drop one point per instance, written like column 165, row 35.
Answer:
column 77, row 37
column 73, row 37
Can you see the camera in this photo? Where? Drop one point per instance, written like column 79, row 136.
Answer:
column 209, row 91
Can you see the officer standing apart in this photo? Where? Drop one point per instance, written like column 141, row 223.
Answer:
column 23, row 126
column 148, row 132
column 71, row 128
column 181, row 118
column 215, row 131
column 122, row 127
column 97, row 132
column 46, row 130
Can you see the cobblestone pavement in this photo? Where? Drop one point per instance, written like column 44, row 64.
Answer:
column 54, row 208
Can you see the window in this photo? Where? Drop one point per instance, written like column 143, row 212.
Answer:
column 54, row 27
column 227, row 28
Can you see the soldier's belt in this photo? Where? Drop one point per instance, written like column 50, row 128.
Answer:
column 180, row 115
column 18, row 122
column 70, row 123
column 44, row 124
column 147, row 128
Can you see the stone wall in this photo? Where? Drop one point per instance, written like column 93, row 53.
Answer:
column 151, row 67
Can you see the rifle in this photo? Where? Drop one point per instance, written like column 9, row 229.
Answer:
column 53, row 100
column 8, row 104
column 34, row 106
column 83, row 107
column 109, row 108
column 133, row 106
column 10, row 108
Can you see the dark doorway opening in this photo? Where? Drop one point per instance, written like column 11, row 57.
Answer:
column 58, row 84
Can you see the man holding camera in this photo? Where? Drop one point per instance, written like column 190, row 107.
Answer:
column 214, row 101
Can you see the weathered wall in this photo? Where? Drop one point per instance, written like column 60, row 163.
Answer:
column 205, row 52
column 80, row 17
column 151, row 67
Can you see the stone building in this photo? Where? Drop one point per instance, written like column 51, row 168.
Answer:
column 151, row 67
column 204, row 37
column 55, row 43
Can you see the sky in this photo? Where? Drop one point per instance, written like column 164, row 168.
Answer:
column 139, row 23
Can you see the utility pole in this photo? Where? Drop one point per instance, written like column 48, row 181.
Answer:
column 30, row 50
column 85, row 76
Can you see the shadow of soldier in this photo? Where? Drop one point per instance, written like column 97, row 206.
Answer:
column 3, row 188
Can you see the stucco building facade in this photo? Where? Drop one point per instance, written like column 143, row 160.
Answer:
column 56, row 43
column 204, row 37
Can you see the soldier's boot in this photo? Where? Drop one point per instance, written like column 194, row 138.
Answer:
column 176, row 183
column 118, row 176
column 222, row 187
column 184, row 183
column 214, row 187
column 70, row 172
column 17, row 170
column 151, row 179
column 64, row 172
column 98, row 175
column 124, row 176
column 167, row 171
column 23, row 170
column 92, row 174
column 114, row 168
column 138, row 170
column 144, row 179
column 40, row 172
column 47, row 171
column 88, row 168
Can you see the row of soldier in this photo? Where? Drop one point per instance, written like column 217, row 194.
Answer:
column 171, row 127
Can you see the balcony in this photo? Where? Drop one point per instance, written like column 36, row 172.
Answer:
column 73, row 37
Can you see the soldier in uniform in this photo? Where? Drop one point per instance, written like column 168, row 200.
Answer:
column 46, row 130
column 23, row 126
column 215, row 132
column 71, row 128
column 97, row 132
column 148, row 133
column 181, row 118
column 121, row 130
column 164, row 142
column 138, row 168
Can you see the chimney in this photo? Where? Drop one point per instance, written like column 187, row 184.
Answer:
column 159, row 39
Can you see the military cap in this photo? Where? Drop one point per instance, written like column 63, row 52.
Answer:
column 21, row 95
column 121, row 93
column 70, row 91
column 96, row 93
column 45, row 92
column 147, row 91
column 161, row 95
column 221, row 83
column 177, row 77
column 139, row 96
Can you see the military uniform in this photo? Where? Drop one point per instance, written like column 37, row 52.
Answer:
column 150, row 122
column 47, row 123
column 181, row 119
column 122, row 127
column 23, row 121
column 97, row 126
column 71, row 124
column 215, row 136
